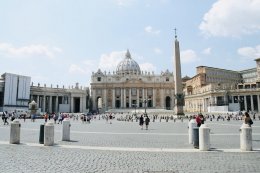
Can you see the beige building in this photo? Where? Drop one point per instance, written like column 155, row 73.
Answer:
column 130, row 87
column 221, row 90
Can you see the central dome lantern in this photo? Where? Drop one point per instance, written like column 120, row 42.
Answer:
column 128, row 66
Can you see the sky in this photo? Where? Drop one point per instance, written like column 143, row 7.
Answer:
column 61, row 42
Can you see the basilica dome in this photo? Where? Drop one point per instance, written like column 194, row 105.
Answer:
column 128, row 65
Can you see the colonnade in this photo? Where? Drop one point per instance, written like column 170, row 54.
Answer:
column 246, row 102
column 51, row 103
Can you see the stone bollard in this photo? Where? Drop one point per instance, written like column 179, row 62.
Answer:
column 204, row 137
column 66, row 130
column 192, row 124
column 15, row 132
column 245, row 138
column 49, row 134
column 196, row 137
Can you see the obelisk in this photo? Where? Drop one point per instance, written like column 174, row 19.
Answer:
column 179, row 97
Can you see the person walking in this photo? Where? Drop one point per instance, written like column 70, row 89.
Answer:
column 147, row 120
column 55, row 118
column 198, row 120
column 248, row 120
column 13, row 116
column 24, row 117
column 46, row 117
column 60, row 118
column 141, row 121
column 5, row 114
column 110, row 118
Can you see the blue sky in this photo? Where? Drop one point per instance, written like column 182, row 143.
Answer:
column 63, row 41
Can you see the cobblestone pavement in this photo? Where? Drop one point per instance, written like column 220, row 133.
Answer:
column 127, row 138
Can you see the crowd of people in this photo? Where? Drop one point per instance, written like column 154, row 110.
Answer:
column 143, row 118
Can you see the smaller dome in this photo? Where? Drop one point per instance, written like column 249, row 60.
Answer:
column 128, row 65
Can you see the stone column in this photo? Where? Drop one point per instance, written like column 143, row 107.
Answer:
column 232, row 99
column 130, row 97
column 81, row 104
column 216, row 100
column 105, row 99
column 122, row 98
column 162, row 98
column 71, row 104
column 43, row 103
column 38, row 100
column 50, row 104
column 211, row 99
column 137, row 99
column 56, row 104
column 154, row 101
column 252, row 103
column 113, row 98
column 245, row 103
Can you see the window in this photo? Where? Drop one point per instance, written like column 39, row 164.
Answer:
column 167, row 79
column 99, row 79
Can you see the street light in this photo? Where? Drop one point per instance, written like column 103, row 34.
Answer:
column 145, row 106
column 200, row 107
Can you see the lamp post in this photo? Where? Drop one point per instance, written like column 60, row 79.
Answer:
column 145, row 102
column 200, row 107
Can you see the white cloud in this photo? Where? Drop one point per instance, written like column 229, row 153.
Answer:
column 249, row 52
column 207, row 51
column 108, row 62
column 37, row 50
column 151, row 30
column 157, row 50
column 232, row 18
column 147, row 67
column 188, row 56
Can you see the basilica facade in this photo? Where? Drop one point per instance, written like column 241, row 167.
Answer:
column 130, row 87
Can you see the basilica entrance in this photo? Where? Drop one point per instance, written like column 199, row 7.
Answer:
column 118, row 104
column 168, row 103
column 149, row 103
